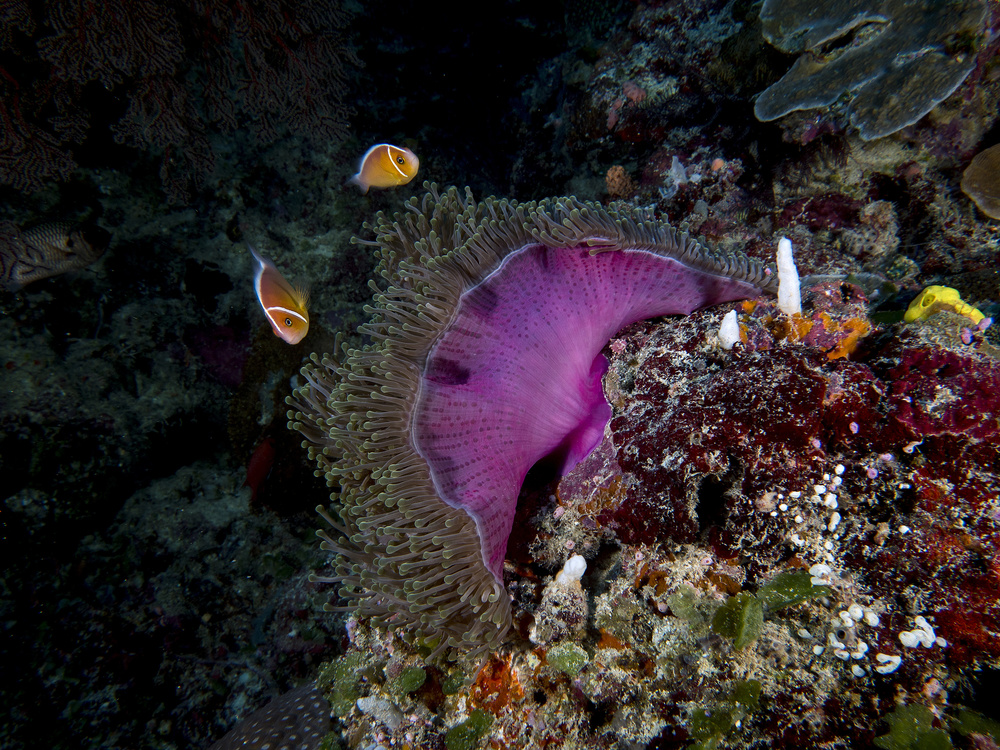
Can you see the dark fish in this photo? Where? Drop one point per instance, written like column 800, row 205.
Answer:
column 259, row 466
column 47, row 250
column 297, row 720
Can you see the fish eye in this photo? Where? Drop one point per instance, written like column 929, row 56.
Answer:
column 400, row 160
column 288, row 322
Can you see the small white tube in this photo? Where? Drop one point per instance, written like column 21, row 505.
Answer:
column 889, row 663
column 789, row 296
column 729, row 331
column 572, row 571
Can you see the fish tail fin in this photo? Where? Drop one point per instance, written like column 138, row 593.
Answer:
column 262, row 262
column 356, row 180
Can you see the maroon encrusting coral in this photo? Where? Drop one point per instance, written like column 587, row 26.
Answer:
column 694, row 428
column 940, row 392
column 737, row 420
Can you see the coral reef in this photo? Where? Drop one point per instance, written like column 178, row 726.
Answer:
column 781, row 565
column 814, row 563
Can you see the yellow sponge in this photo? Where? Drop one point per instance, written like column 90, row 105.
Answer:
column 936, row 298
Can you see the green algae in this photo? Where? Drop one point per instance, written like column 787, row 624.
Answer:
column 426, row 646
column 617, row 620
column 568, row 658
column 709, row 726
column 466, row 736
column 278, row 567
column 787, row 588
column 330, row 742
column 741, row 617
column 410, row 679
column 684, row 604
column 911, row 727
column 453, row 682
column 968, row 722
column 746, row 694
column 339, row 681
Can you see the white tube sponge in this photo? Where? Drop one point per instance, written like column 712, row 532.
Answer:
column 729, row 331
column 572, row 571
column 789, row 297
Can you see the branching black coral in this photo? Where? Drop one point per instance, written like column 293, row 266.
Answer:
column 183, row 68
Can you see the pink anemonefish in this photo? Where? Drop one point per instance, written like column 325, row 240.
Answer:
column 386, row 166
column 283, row 304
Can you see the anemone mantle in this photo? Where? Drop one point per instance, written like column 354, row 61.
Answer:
column 484, row 357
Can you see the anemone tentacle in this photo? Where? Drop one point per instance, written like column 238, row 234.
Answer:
column 411, row 552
